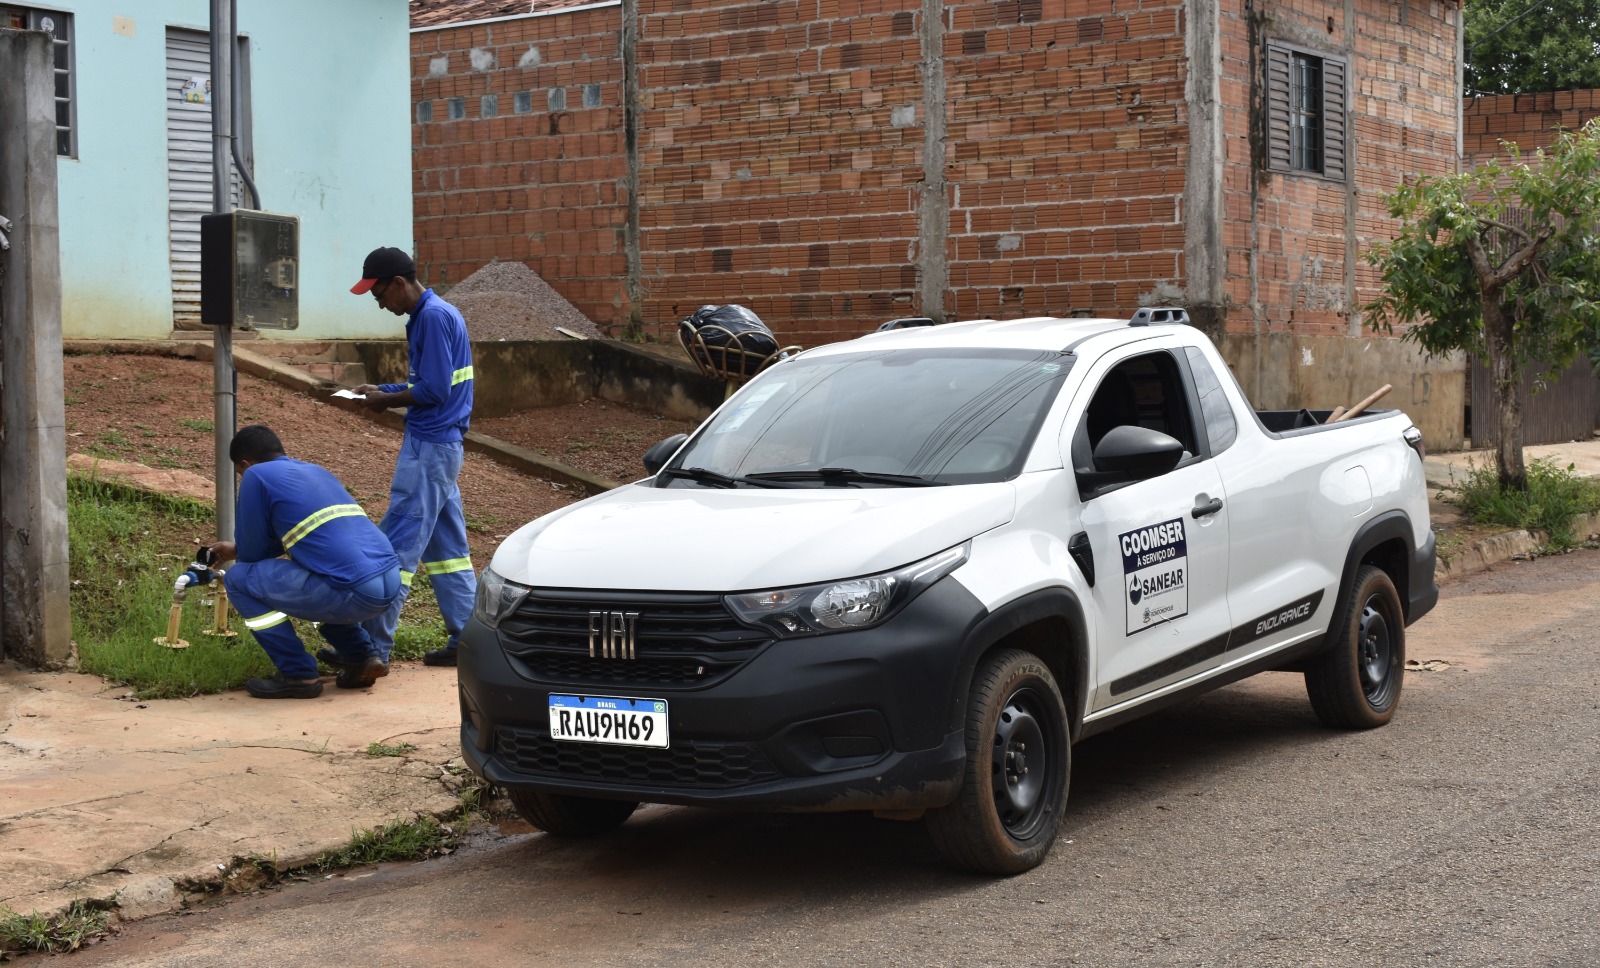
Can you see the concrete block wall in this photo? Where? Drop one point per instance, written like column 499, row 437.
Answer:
column 1529, row 121
column 519, row 153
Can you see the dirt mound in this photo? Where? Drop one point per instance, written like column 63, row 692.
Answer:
column 507, row 300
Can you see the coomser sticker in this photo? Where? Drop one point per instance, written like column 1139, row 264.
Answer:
column 1155, row 569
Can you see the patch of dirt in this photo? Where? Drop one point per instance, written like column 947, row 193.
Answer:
column 157, row 411
column 596, row 436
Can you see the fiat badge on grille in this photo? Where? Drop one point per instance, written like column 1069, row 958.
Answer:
column 611, row 635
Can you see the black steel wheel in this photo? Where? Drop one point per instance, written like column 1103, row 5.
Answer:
column 566, row 816
column 1356, row 683
column 1019, row 760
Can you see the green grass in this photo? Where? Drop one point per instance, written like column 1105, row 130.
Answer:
column 125, row 550
column 1555, row 495
column 200, row 426
column 66, row 931
column 390, row 749
column 396, row 840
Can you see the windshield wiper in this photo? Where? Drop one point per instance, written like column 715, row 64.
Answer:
column 710, row 478
column 849, row 475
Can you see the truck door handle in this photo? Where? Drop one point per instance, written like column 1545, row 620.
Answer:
column 1210, row 507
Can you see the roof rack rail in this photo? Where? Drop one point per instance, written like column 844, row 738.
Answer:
column 905, row 322
column 1149, row 315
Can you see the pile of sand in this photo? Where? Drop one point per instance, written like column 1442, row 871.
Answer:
column 507, row 300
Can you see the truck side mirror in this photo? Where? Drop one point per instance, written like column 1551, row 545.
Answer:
column 657, row 456
column 1138, row 452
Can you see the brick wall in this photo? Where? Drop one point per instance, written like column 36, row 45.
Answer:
column 518, row 153
column 787, row 159
column 1528, row 121
column 1295, row 241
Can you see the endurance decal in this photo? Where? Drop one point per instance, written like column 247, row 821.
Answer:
column 1271, row 623
column 1155, row 574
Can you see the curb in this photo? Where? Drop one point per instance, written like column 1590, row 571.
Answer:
column 1485, row 552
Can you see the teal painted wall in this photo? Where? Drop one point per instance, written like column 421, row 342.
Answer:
column 330, row 98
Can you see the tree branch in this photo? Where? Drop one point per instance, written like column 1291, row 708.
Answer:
column 1504, row 227
column 1492, row 280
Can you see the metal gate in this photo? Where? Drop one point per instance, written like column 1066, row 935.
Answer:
column 1566, row 409
column 189, row 165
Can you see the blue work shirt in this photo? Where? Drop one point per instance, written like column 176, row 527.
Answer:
column 439, row 357
column 289, row 506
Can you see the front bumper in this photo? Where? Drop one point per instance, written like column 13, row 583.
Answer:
column 867, row 720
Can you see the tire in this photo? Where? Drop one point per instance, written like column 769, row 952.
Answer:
column 1356, row 683
column 1019, row 760
column 566, row 816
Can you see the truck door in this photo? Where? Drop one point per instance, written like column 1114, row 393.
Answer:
column 1160, row 545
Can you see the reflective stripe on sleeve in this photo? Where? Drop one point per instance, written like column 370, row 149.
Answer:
column 318, row 519
column 461, row 376
column 266, row 621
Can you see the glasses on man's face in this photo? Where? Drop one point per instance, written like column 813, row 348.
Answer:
column 378, row 289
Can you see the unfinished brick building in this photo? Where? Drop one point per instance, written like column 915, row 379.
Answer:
column 835, row 163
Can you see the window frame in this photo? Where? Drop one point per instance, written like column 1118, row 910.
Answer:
column 1332, row 152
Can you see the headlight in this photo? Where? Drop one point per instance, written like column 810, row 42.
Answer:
column 854, row 603
column 497, row 597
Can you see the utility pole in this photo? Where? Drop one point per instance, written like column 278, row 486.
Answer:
column 222, row 34
column 35, row 614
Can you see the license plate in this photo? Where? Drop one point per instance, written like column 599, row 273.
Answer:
column 610, row 720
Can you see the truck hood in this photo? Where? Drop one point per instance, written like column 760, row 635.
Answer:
column 703, row 539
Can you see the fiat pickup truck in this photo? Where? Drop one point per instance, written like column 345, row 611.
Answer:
column 906, row 573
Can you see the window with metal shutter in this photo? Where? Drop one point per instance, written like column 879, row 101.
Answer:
column 1332, row 149
column 189, row 167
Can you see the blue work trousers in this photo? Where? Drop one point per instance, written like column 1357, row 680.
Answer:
column 267, row 593
column 428, row 530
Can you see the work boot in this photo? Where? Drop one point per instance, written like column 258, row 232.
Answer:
column 330, row 657
column 361, row 675
column 440, row 657
column 279, row 687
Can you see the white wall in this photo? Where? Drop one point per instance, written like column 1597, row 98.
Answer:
column 330, row 96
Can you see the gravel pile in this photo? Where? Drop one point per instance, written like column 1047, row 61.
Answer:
column 507, row 300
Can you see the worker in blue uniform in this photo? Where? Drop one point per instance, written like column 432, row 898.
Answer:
column 304, row 549
column 424, row 522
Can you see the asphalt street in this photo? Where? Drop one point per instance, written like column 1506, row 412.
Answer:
column 1232, row 830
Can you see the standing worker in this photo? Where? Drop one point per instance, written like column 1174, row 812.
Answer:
column 424, row 522
column 305, row 550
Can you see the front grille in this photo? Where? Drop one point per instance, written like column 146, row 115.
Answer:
column 681, row 639
column 686, row 764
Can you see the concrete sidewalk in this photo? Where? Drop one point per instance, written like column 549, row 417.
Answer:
column 138, row 803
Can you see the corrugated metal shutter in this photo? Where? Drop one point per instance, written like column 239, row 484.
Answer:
column 188, row 170
column 1277, row 108
column 1334, row 134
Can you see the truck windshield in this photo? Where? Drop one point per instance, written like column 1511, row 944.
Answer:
column 891, row 418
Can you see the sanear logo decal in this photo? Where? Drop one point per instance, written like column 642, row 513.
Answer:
column 1155, row 562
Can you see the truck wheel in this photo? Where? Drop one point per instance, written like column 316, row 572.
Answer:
column 566, row 816
column 1019, row 758
column 1356, row 683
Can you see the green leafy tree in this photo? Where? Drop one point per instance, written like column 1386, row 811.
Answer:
column 1502, row 262
column 1523, row 46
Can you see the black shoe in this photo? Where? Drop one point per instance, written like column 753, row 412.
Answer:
column 330, row 657
column 279, row 687
column 361, row 675
column 440, row 657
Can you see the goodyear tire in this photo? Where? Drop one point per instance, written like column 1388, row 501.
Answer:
column 1356, row 683
column 1019, row 759
column 566, row 816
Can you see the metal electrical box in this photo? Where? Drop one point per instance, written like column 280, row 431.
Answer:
column 250, row 270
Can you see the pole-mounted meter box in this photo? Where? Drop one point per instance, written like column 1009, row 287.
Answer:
column 250, row 270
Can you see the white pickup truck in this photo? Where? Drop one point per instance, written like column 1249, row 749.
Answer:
column 907, row 572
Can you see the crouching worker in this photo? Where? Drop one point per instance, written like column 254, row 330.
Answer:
column 305, row 549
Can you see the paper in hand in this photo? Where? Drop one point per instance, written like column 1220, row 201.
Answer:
column 348, row 395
